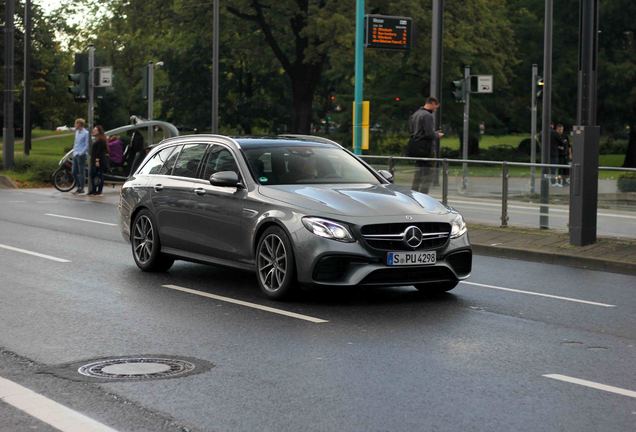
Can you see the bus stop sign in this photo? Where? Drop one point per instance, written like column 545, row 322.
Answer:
column 388, row 32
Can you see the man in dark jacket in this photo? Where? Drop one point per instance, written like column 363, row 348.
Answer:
column 421, row 143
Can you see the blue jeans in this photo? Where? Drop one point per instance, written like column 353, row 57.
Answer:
column 79, row 167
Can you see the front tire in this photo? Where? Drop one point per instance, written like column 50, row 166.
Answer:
column 275, row 264
column 146, row 247
column 63, row 180
column 436, row 287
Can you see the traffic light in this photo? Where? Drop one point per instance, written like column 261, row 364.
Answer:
column 79, row 78
column 459, row 90
column 540, row 85
column 79, row 89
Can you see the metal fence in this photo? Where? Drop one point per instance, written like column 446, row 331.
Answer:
column 441, row 178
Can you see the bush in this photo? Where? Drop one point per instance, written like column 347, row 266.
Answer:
column 503, row 152
column 627, row 183
column 612, row 146
column 39, row 169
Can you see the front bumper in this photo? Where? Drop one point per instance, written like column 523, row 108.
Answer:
column 322, row 261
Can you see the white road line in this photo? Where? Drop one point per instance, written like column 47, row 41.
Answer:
column 539, row 294
column 592, row 384
column 47, row 410
column 248, row 304
column 80, row 219
column 24, row 251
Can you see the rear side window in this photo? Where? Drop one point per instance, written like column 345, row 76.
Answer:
column 189, row 160
column 155, row 164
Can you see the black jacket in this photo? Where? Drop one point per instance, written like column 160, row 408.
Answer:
column 422, row 128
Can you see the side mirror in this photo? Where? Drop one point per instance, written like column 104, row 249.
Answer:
column 225, row 179
column 387, row 175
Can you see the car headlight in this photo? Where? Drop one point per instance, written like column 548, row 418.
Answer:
column 458, row 226
column 328, row 229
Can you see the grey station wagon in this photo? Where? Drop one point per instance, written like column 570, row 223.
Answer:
column 296, row 210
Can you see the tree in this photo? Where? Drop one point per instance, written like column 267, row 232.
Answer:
column 301, row 34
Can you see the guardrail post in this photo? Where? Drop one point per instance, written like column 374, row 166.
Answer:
column 504, row 194
column 392, row 166
column 445, row 181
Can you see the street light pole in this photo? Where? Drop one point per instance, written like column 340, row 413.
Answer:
column 215, row 67
column 26, row 100
column 151, row 98
column 91, row 111
column 546, row 115
column 533, row 126
column 584, row 181
column 437, row 33
column 8, row 131
column 359, row 78
column 465, row 137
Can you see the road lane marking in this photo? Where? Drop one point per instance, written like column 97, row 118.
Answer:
column 540, row 294
column 47, row 410
column 592, row 384
column 248, row 304
column 79, row 219
column 24, row 251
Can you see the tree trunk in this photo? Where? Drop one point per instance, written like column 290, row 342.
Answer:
column 630, row 156
column 303, row 96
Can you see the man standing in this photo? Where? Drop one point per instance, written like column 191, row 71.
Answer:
column 80, row 150
column 421, row 143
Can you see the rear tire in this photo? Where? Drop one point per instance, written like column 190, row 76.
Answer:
column 436, row 287
column 63, row 180
column 275, row 264
column 146, row 247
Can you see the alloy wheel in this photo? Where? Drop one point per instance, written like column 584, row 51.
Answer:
column 272, row 263
column 143, row 239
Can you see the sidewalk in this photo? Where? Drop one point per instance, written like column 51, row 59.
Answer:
column 607, row 254
column 550, row 246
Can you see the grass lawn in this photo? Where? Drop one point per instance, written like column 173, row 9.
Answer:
column 452, row 142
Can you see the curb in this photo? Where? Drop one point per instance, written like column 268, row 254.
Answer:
column 555, row 258
column 7, row 183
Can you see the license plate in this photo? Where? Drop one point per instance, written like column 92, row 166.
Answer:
column 411, row 258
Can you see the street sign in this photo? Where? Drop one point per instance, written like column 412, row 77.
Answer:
column 105, row 76
column 388, row 32
column 484, row 84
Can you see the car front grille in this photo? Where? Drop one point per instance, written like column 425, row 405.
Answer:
column 391, row 236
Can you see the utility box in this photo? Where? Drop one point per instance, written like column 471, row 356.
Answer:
column 584, row 185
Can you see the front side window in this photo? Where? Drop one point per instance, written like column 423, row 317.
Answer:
column 187, row 164
column 156, row 163
column 279, row 165
column 219, row 159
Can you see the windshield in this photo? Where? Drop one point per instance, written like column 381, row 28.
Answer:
column 282, row 165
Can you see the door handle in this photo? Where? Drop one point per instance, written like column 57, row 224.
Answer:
column 199, row 191
column 158, row 187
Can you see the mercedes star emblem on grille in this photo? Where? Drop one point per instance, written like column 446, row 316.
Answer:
column 413, row 236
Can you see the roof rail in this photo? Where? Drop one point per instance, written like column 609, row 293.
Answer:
column 311, row 137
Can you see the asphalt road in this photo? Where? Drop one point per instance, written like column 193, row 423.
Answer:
column 387, row 359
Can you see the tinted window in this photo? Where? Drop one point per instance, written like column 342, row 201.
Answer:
column 306, row 165
column 187, row 164
column 154, row 165
column 219, row 159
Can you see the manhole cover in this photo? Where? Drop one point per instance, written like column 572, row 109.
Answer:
column 137, row 368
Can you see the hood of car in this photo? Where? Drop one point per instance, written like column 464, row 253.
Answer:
column 355, row 200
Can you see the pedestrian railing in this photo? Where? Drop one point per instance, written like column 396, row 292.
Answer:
column 441, row 169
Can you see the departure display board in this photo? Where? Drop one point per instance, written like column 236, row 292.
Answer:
column 388, row 32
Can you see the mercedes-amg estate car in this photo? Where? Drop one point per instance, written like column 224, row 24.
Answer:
column 295, row 210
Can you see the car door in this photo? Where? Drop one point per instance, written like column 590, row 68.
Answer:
column 217, row 222
column 175, row 200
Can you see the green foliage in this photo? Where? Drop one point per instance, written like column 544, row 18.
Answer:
column 627, row 183
column 34, row 168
